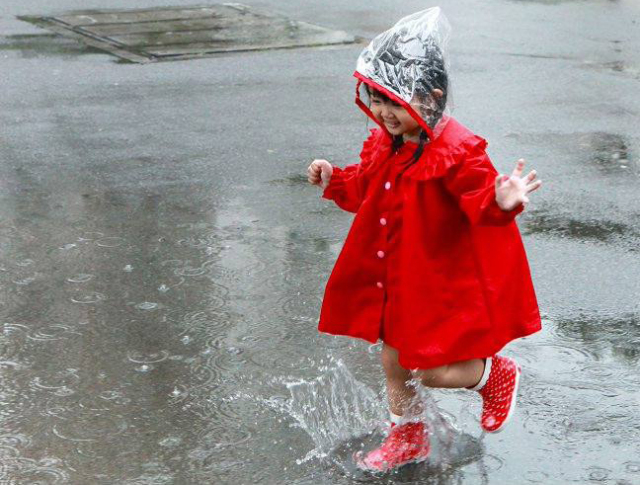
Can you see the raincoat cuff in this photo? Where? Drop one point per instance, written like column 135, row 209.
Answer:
column 494, row 215
column 336, row 184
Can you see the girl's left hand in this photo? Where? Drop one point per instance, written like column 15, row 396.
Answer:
column 511, row 191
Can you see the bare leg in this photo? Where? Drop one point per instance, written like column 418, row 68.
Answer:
column 398, row 389
column 460, row 374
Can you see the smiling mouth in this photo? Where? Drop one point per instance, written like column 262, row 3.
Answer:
column 391, row 124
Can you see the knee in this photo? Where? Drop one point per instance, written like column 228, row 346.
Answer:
column 432, row 377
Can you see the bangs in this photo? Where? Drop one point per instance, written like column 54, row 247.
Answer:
column 371, row 92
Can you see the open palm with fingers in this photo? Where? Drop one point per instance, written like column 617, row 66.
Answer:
column 511, row 191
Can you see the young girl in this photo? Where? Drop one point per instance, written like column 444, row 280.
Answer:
column 433, row 265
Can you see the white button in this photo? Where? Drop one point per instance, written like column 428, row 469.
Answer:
column 381, row 254
column 387, row 185
column 379, row 284
column 383, row 221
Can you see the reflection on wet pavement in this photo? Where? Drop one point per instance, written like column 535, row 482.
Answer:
column 612, row 336
column 549, row 224
column 611, row 153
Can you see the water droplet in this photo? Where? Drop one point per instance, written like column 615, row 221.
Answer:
column 144, row 368
column 186, row 339
column 128, row 268
column 163, row 288
column 66, row 247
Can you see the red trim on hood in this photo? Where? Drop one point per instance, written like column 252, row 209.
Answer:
column 394, row 97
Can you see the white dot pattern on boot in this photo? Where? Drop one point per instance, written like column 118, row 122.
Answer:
column 498, row 394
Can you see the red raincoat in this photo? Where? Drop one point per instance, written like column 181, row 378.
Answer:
column 431, row 265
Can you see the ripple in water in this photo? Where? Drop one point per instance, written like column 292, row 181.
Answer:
column 283, row 358
column 209, row 322
column 90, row 426
column 24, row 470
column 147, row 358
column 53, row 332
column 110, row 242
column 90, row 236
column 10, row 445
column 80, row 278
column 147, row 305
column 61, row 381
column 91, row 297
column 224, row 435
column 15, row 469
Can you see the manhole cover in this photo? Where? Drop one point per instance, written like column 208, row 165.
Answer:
column 171, row 33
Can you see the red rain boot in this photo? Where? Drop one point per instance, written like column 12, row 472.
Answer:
column 406, row 443
column 498, row 388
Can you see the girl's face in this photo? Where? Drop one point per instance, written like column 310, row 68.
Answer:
column 395, row 118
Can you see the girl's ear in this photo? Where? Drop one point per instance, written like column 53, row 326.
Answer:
column 437, row 93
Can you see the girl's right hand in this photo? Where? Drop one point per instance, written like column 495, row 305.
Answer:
column 319, row 173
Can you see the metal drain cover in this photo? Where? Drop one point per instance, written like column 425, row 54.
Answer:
column 173, row 33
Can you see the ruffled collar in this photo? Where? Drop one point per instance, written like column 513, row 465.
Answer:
column 439, row 156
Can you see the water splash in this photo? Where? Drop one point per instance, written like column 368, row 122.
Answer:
column 333, row 408
column 344, row 416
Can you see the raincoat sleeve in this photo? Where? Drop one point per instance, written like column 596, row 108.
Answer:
column 472, row 183
column 348, row 185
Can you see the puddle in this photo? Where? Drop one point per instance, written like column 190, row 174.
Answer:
column 609, row 153
column 616, row 336
column 545, row 222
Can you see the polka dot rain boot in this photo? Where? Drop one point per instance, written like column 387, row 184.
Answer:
column 498, row 388
column 406, row 443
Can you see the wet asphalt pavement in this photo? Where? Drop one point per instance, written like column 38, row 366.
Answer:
column 162, row 259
